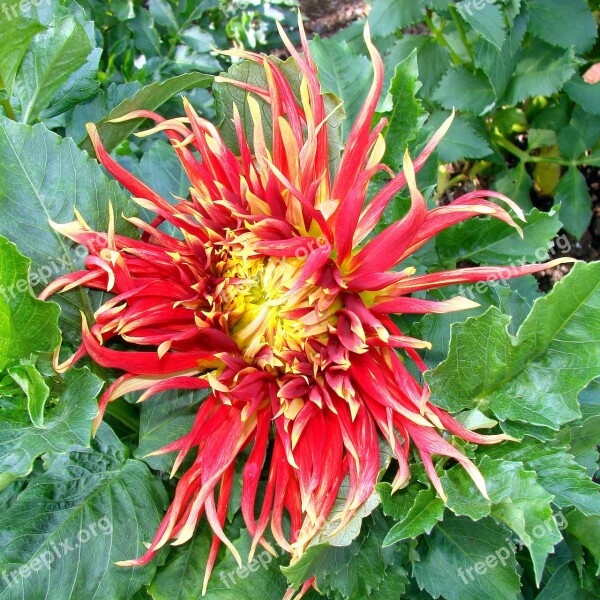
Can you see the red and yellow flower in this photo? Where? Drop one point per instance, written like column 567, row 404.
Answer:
column 277, row 297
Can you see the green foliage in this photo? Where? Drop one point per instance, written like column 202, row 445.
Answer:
column 504, row 66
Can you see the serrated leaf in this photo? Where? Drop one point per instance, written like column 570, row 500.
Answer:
column 165, row 418
column 48, row 63
column 486, row 19
column 27, row 325
column 456, row 547
column 387, row 16
column 150, row 97
column 556, row 471
column 406, row 113
column 575, row 202
column 534, row 377
column 344, row 73
column 542, row 71
column 564, row 585
column 587, row 95
column 45, row 177
column 587, row 531
column 67, row 422
column 95, row 506
column 182, row 575
column 16, row 32
column 547, row 20
column 461, row 141
column 516, row 184
column 465, row 91
column 425, row 511
column 517, row 500
column 492, row 242
column 354, row 571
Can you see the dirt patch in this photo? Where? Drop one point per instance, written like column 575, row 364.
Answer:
column 327, row 17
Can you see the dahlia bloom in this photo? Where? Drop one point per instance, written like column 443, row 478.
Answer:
column 276, row 297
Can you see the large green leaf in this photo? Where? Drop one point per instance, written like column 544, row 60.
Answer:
column 92, row 507
column 493, row 242
column 387, row 16
column 563, row 24
column 587, row 95
column 344, row 73
column 151, row 97
column 26, row 324
column 564, row 585
column 587, row 531
column 486, row 19
column 573, row 195
column 406, row 113
column 349, row 572
column 43, row 178
column 542, row 71
column 517, row 500
column 182, row 575
column 534, row 377
column 49, row 61
column 17, row 29
column 425, row 510
column 466, row 91
column 466, row 560
column 68, row 421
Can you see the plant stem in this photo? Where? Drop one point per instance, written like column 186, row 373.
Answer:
column 527, row 158
column 8, row 109
column 439, row 36
column 461, row 31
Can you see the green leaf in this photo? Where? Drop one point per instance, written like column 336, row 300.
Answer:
column 584, row 443
column 355, row 571
column 44, row 177
column 387, row 16
column 461, row 141
column 466, row 560
column 49, row 61
column 406, row 114
column 29, row 379
column 425, row 511
column 585, row 94
column 516, row 184
column 161, row 169
column 17, row 30
column 556, row 471
column 564, row 585
column 182, row 575
column 575, row 202
column 542, row 71
column 344, row 73
column 26, row 324
column 151, row 97
column 92, row 507
column 163, row 14
column 165, row 417
column 547, row 19
column 97, row 108
column 493, row 242
column 517, row 500
column 587, row 531
column 535, row 376
column 67, row 422
column 487, row 20
column 465, row 91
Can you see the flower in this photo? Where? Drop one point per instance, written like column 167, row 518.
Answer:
column 271, row 291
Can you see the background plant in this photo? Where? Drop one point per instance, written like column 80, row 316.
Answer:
column 526, row 122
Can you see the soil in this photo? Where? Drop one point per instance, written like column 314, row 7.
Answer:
column 326, row 17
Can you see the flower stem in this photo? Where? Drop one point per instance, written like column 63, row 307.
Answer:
column 8, row 109
column 439, row 36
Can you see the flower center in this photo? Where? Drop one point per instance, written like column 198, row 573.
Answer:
column 271, row 310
